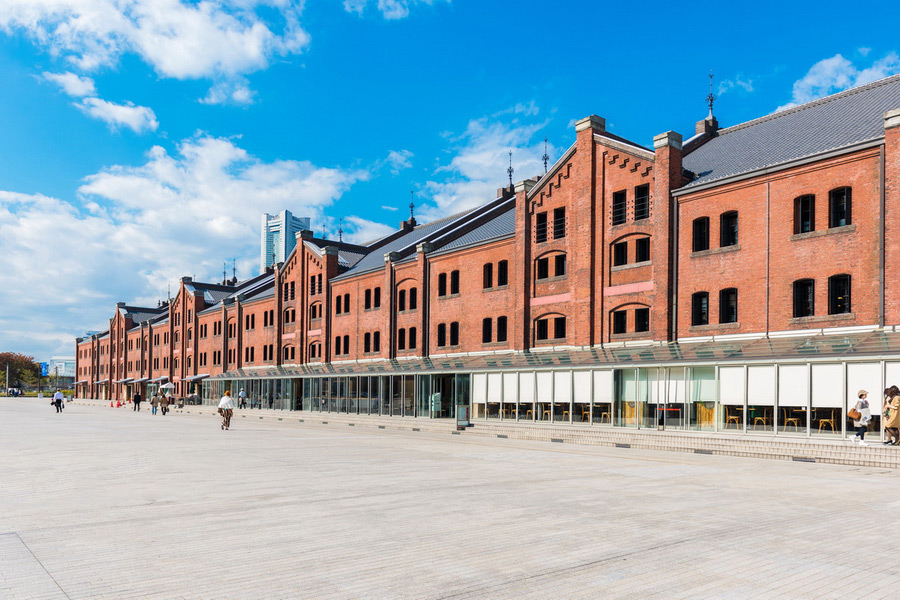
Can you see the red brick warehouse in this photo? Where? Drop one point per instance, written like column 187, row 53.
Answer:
column 625, row 287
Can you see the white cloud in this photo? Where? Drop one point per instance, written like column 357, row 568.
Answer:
column 727, row 85
column 389, row 9
column 399, row 160
column 390, row 208
column 481, row 158
column 363, row 231
column 141, row 229
column 233, row 91
column 136, row 118
column 835, row 74
column 178, row 38
column 72, row 84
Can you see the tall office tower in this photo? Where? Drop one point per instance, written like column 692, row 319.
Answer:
column 278, row 237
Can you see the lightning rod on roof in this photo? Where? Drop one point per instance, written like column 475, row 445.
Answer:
column 341, row 229
column 710, row 98
column 510, row 170
column 545, row 157
column 412, row 204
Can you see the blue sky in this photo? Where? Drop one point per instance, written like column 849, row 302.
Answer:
column 144, row 138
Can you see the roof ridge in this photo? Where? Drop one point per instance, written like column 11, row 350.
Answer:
column 810, row 104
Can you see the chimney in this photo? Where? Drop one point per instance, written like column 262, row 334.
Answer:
column 709, row 126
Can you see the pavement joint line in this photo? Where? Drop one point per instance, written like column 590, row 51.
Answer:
column 52, row 578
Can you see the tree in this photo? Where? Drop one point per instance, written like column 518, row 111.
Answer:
column 23, row 370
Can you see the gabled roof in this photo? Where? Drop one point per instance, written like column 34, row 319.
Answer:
column 140, row 314
column 501, row 226
column 842, row 120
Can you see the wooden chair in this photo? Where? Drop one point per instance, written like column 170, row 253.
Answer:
column 786, row 420
column 585, row 415
column 605, row 416
column 761, row 419
column 832, row 422
column 732, row 418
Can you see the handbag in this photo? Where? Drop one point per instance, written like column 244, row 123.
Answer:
column 854, row 414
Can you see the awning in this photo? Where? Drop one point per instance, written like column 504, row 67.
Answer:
column 126, row 380
column 141, row 380
column 102, row 381
column 163, row 378
column 196, row 377
column 80, row 382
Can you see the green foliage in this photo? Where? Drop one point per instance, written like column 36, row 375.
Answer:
column 23, row 370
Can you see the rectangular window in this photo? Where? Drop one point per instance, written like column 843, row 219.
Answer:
column 312, row 285
column 620, row 320
column 338, row 305
column 401, row 339
column 839, row 207
column 804, row 298
column 367, row 299
column 502, row 273
column 413, row 298
column 619, row 212
column 487, row 330
column 346, row 303
column 337, row 345
column 728, row 306
column 401, row 300
column 642, row 202
column 543, row 268
column 620, row 254
column 377, row 300
column 292, row 290
column 540, row 227
column 701, row 234
column 346, row 344
column 700, row 308
column 642, row 249
column 441, row 335
column 367, row 342
column 454, row 282
column 559, row 223
column 376, row 342
column 559, row 328
column 454, row 334
column 501, row 329
column 487, row 276
column 839, row 294
column 442, row 284
column 805, row 214
column 560, row 260
column 542, row 329
column 728, row 229
column 642, row 319
column 412, row 338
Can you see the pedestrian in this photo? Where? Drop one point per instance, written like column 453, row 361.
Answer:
column 892, row 415
column 164, row 404
column 226, row 409
column 154, row 402
column 137, row 401
column 58, row 400
column 242, row 396
column 865, row 416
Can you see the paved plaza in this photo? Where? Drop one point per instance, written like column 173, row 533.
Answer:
column 108, row 503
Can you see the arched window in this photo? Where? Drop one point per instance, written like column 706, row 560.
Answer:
column 804, row 298
column 488, row 276
column 839, row 205
column 728, row 229
column 487, row 330
column 550, row 327
column 838, row 294
column 700, row 308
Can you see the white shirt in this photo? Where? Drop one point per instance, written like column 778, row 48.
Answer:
column 58, row 396
column 226, row 402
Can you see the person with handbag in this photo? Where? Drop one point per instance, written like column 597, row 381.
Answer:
column 226, row 409
column 861, row 415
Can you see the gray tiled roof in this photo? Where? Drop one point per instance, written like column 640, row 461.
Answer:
column 833, row 122
column 500, row 226
column 375, row 260
column 140, row 314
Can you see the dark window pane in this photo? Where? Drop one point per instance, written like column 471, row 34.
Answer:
column 804, row 295
column 641, row 202
column 700, row 308
column 620, row 320
column 620, row 254
column 501, row 329
column 560, row 266
column 540, row 227
column 401, row 339
column 839, row 207
column 838, row 294
column 701, row 234
column 412, row 338
column 454, row 334
column 728, row 232
column 543, row 268
column 502, row 272
column 454, row 282
column 642, row 319
column 805, row 214
column 642, row 250
column 728, row 306
column 401, row 300
column 377, row 302
column 413, row 298
column 442, row 284
column 542, row 332
column 559, row 223
column 618, row 208
column 559, row 328
column 486, row 330
column 488, row 276
column 442, row 335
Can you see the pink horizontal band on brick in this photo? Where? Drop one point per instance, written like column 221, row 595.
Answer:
column 644, row 286
column 551, row 299
column 309, row 333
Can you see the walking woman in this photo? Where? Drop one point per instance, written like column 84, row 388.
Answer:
column 865, row 415
column 154, row 402
column 226, row 409
column 892, row 414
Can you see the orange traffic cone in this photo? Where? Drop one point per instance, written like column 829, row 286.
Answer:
column 110, row 404
column 118, row 404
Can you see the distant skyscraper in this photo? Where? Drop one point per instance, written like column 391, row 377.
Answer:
column 278, row 237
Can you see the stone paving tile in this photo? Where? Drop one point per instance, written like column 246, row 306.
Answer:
column 110, row 503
